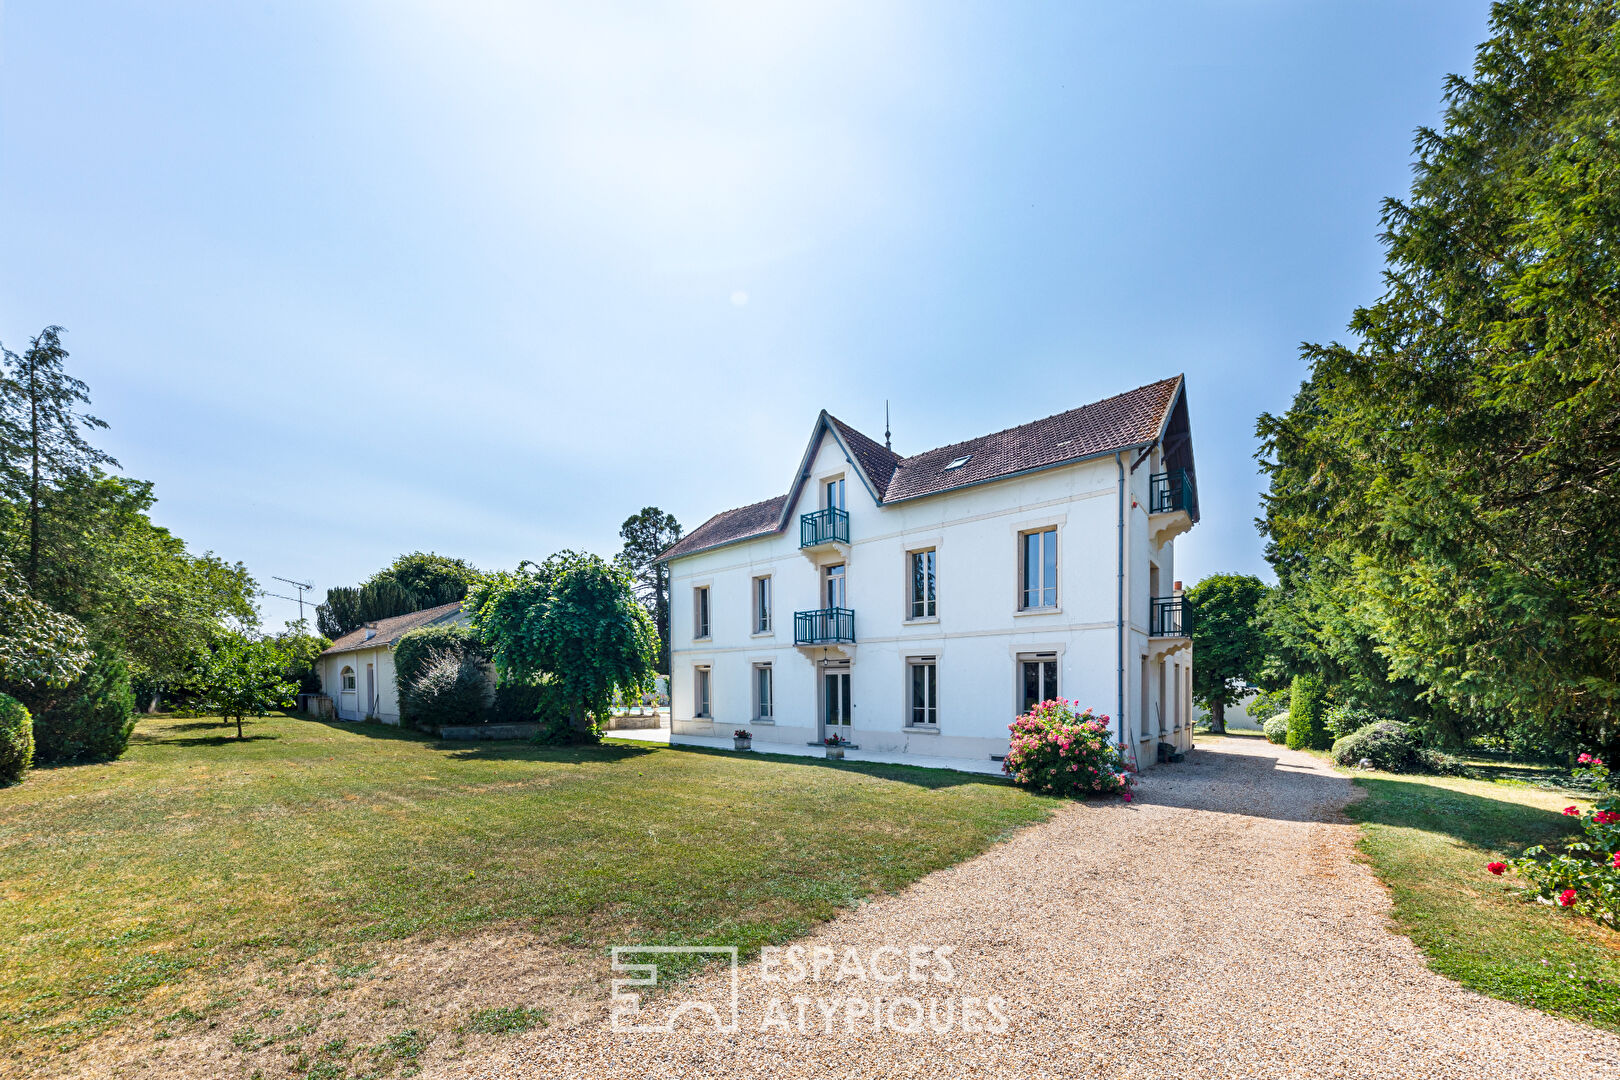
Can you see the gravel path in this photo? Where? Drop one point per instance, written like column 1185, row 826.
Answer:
column 1217, row 927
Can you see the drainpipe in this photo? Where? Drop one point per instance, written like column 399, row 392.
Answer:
column 1119, row 617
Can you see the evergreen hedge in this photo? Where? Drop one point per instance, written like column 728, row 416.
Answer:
column 1306, row 705
column 16, row 739
column 89, row 720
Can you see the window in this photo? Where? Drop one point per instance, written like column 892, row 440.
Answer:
column 1038, row 679
column 762, row 605
column 348, row 678
column 763, row 709
column 959, row 462
column 1038, row 573
column 700, row 692
column 924, row 691
column 922, row 585
column 835, row 495
column 835, row 586
column 700, row 612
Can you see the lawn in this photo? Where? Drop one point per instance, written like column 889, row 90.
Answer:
column 1429, row 838
column 195, row 853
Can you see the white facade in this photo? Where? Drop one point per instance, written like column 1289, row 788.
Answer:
column 981, row 634
column 361, row 684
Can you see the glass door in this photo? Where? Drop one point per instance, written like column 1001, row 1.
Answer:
column 835, row 586
column 1040, row 681
column 835, row 691
column 835, row 494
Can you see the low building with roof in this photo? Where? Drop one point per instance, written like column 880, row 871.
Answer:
column 357, row 670
column 917, row 604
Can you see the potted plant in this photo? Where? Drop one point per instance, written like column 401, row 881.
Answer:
column 835, row 746
column 742, row 739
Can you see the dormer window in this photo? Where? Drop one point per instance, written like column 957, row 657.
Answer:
column 959, row 462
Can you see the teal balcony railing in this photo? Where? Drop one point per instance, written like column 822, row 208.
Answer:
column 824, row 527
column 1171, row 491
column 1169, row 616
column 829, row 626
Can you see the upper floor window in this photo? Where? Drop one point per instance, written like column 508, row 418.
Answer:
column 835, row 495
column 921, row 585
column 1037, row 556
column 700, row 612
column 700, row 692
column 924, row 691
column 762, row 605
column 834, row 579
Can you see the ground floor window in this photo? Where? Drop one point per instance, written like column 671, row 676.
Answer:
column 763, row 709
column 1038, row 679
column 700, row 692
column 348, row 678
column 924, row 679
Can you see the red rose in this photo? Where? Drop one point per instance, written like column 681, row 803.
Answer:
column 1566, row 898
column 1570, row 811
column 1617, row 860
column 1496, row 868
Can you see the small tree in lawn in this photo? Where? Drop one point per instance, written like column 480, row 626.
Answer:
column 245, row 678
column 574, row 623
column 1229, row 642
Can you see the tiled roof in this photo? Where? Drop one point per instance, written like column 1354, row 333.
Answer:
column 756, row 519
column 391, row 630
column 1128, row 419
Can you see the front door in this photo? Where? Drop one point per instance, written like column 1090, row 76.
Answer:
column 835, row 586
column 835, row 692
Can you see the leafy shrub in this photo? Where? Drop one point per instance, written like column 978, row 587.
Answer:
column 1305, row 728
column 416, row 649
column 1276, row 728
column 1058, row 750
column 90, row 719
column 1342, row 720
column 1393, row 747
column 451, row 689
column 1586, row 877
column 16, row 739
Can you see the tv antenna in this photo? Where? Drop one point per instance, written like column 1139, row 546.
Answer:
column 301, row 586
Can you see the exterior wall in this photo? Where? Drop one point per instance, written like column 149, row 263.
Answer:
column 978, row 632
column 354, row 707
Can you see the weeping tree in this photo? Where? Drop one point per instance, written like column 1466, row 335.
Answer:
column 574, row 624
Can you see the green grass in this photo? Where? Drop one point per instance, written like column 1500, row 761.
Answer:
column 195, row 851
column 1429, row 838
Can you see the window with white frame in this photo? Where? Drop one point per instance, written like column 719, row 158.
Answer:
column 923, row 676
column 922, row 605
column 764, row 689
column 1037, row 558
column 1037, row 679
column 700, row 692
column 762, row 605
column 348, row 678
column 700, row 611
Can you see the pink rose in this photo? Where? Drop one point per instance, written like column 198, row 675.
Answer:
column 1566, row 898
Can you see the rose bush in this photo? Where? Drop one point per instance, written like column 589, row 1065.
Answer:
column 1586, row 876
column 1058, row 749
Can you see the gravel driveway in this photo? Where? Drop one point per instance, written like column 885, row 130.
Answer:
column 1216, row 927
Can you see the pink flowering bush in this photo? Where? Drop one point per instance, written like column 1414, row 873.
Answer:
column 1058, row 749
column 1586, row 876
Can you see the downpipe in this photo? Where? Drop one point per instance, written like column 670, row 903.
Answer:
column 1119, row 625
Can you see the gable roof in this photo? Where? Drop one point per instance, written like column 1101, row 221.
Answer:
column 1134, row 418
column 391, row 630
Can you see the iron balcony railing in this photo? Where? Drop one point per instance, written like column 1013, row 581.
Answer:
column 829, row 626
column 1171, row 491
column 1169, row 616
column 824, row 527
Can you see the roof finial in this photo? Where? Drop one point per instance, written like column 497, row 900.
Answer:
column 886, row 445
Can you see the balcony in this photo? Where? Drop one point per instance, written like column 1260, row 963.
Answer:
column 829, row 526
column 1172, row 504
column 1169, row 617
column 828, row 626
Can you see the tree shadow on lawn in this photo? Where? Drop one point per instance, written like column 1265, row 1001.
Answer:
column 221, row 739
column 1490, row 825
column 917, row 775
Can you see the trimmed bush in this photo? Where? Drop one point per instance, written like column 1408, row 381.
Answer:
column 1305, row 728
column 1276, row 728
column 1058, row 750
column 1393, row 747
column 1342, row 720
column 90, row 720
column 451, row 689
column 413, row 653
column 16, row 739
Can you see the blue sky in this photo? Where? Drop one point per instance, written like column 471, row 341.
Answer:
column 351, row 279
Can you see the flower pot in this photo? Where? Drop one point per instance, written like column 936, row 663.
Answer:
column 835, row 752
column 742, row 744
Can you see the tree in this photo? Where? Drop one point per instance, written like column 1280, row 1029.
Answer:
column 38, row 647
column 1451, row 480
column 574, row 623
column 244, row 678
column 648, row 535
column 1229, row 641
column 41, row 435
column 413, row 582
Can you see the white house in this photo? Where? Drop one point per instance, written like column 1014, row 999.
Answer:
column 357, row 670
column 915, row 605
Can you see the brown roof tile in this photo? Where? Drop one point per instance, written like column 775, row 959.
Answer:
column 391, row 630
column 727, row 527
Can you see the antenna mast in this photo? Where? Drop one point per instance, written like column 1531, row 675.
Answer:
column 886, row 445
column 301, row 586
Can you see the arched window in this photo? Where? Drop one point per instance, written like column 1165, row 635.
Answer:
column 348, row 677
